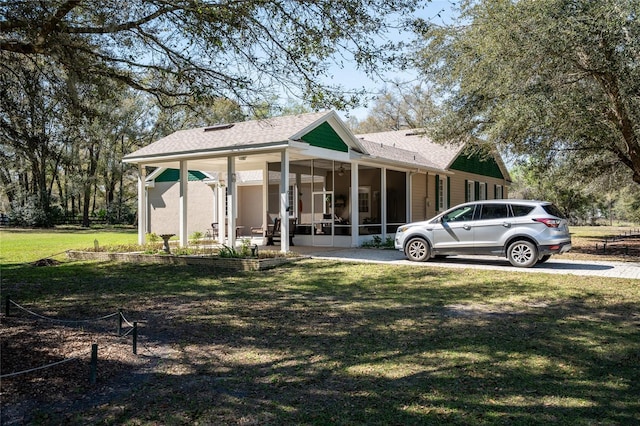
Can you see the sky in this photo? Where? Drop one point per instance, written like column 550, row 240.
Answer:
column 437, row 11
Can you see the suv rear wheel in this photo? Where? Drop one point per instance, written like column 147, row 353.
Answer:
column 522, row 254
column 417, row 249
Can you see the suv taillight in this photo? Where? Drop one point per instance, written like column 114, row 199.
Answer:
column 551, row 223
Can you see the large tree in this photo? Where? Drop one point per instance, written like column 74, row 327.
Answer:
column 63, row 64
column 176, row 49
column 540, row 77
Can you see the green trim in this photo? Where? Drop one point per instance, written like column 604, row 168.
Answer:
column 477, row 165
column 173, row 175
column 324, row 136
column 437, row 193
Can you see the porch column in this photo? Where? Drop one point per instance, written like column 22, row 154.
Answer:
column 142, row 203
column 221, row 199
column 184, row 184
column 265, row 198
column 284, row 201
column 408, row 196
column 383, row 203
column 231, row 200
column 355, row 214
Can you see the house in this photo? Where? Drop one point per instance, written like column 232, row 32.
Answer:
column 337, row 188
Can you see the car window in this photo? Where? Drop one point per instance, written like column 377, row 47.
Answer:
column 521, row 210
column 552, row 210
column 458, row 215
column 494, row 211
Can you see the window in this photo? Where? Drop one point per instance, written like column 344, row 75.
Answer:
column 364, row 199
column 494, row 211
column 459, row 215
column 519, row 210
column 291, row 200
column 483, row 191
column 471, row 193
column 498, row 191
column 442, row 194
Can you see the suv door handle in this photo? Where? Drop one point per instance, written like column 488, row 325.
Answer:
column 506, row 225
column 466, row 227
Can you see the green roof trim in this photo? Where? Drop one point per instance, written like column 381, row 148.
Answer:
column 485, row 166
column 173, row 175
column 324, row 136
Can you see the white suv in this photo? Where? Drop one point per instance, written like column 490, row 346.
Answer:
column 526, row 232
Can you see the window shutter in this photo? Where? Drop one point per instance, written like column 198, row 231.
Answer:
column 466, row 190
column 437, row 202
column 448, row 191
column 477, row 189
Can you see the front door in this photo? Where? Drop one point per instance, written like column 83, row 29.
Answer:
column 322, row 218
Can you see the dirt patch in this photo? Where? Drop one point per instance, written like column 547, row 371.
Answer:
column 48, row 365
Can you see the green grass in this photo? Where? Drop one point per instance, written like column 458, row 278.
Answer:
column 319, row 342
column 28, row 245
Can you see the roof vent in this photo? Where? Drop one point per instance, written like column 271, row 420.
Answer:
column 218, row 127
column 416, row 133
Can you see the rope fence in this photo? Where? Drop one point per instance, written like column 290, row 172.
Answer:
column 133, row 330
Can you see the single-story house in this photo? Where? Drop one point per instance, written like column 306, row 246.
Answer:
column 335, row 187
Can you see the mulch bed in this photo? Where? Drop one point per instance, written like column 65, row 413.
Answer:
column 29, row 343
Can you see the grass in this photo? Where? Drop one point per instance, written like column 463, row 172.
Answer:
column 321, row 342
column 28, row 245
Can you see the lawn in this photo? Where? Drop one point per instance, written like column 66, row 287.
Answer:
column 319, row 342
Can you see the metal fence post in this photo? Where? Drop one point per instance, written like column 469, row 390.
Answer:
column 135, row 337
column 119, row 322
column 94, row 364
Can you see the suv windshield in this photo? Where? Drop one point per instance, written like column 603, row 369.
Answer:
column 553, row 210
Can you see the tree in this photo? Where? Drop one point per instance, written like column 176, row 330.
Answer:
column 541, row 77
column 399, row 106
column 178, row 49
column 31, row 136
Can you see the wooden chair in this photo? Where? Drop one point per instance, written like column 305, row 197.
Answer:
column 274, row 234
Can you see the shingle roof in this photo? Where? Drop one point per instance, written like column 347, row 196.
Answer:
column 388, row 152
column 414, row 141
column 242, row 134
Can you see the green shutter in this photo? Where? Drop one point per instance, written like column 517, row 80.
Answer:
column 466, row 193
column 437, row 192
column 477, row 189
column 448, row 191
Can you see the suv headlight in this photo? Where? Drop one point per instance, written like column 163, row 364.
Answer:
column 403, row 229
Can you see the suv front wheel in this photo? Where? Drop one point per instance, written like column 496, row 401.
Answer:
column 417, row 249
column 522, row 254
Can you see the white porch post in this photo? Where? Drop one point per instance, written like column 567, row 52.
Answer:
column 231, row 200
column 221, row 198
column 142, row 203
column 383, row 203
column 284, row 201
column 265, row 197
column 184, row 184
column 407, row 197
column 355, row 214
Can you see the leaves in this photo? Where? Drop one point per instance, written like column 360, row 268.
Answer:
column 538, row 77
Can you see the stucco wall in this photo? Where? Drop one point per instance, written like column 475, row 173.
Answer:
column 164, row 208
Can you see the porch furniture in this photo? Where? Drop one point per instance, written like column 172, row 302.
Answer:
column 273, row 232
column 213, row 231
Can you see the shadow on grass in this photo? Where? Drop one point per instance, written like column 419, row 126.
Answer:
column 324, row 343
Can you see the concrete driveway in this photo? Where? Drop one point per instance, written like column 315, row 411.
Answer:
column 556, row 265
